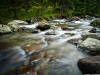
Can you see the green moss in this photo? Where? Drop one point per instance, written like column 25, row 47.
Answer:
column 96, row 23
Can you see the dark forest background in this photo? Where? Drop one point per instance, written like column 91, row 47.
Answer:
column 26, row 9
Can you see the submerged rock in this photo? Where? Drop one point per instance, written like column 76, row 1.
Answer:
column 34, row 30
column 89, row 65
column 31, row 49
column 70, row 34
column 5, row 45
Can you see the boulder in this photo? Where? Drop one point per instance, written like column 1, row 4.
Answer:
column 90, row 44
column 5, row 29
column 91, row 35
column 75, row 18
column 43, row 27
column 16, row 22
column 89, row 65
column 95, row 23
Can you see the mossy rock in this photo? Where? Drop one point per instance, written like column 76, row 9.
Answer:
column 96, row 23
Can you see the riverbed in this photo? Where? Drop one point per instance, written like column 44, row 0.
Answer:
column 65, row 55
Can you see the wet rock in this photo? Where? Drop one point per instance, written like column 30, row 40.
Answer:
column 41, row 72
column 25, row 69
column 14, row 27
column 89, row 65
column 29, row 21
column 70, row 34
column 91, row 35
column 16, row 22
column 50, row 33
column 93, row 30
column 55, row 28
column 34, row 57
column 43, row 21
column 94, row 53
column 95, row 23
column 43, row 27
column 31, row 49
column 63, row 26
column 5, row 45
column 75, row 41
column 34, row 30
column 50, row 52
column 90, row 44
column 68, row 28
column 24, row 29
column 5, row 29
column 87, row 16
column 37, row 43
column 75, row 18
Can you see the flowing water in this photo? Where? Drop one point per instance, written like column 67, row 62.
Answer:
column 65, row 55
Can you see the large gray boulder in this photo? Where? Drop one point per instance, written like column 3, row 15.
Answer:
column 89, row 65
column 5, row 29
column 91, row 46
column 15, row 24
column 90, row 35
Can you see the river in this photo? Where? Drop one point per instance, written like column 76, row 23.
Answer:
column 65, row 55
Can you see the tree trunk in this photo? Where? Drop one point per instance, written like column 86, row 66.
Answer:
column 14, row 10
column 26, row 4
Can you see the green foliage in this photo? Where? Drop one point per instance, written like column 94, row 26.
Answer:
column 96, row 23
column 24, row 9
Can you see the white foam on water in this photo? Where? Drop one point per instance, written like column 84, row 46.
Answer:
column 81, row 21
column 60, row 20
column 29, row 26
